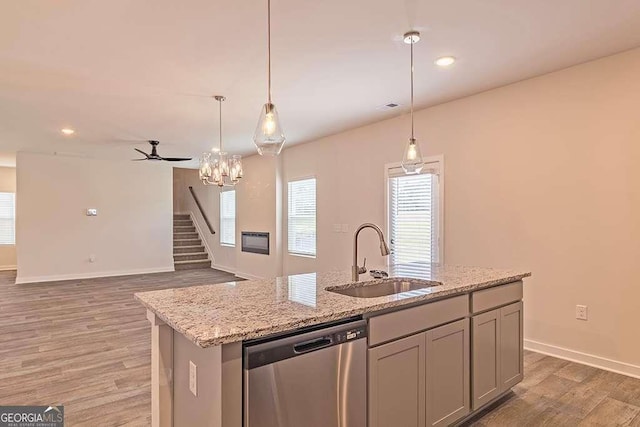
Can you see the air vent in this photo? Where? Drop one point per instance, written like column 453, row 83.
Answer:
column 388, row 106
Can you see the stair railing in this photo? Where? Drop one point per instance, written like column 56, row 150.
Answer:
column 206, row 220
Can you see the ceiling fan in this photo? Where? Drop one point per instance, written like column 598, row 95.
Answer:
column 155, row 156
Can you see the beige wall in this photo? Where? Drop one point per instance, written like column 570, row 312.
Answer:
column 542, row 174
column 131, row 234
column 259, row 208
column 224, row 257
column 7, row 185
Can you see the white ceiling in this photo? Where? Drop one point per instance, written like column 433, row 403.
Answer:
column 119, row 71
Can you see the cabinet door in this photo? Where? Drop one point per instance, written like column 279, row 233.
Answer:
column 397, row 383
column 447, row 373
column 511, row 345
column 486, row 353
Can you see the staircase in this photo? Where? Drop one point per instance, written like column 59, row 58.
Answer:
column 188, row 250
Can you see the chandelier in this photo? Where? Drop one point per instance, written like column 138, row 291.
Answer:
column 218, row 167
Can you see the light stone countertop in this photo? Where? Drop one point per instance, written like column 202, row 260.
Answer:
column 211, row 315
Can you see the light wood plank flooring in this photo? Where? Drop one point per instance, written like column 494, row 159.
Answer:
column 86, row 344
column 555, row 392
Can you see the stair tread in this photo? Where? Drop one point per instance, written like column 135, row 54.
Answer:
column 189, row 253
column 192, row 261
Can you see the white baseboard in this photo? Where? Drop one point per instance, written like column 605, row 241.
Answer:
column 248, row 276
column 91, row 275
column 584, row 358
column 224, row 268
column 8, row 267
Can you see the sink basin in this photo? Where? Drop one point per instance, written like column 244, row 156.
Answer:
column 382, row 288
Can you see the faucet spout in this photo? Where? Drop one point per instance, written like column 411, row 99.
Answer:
column 384, row 249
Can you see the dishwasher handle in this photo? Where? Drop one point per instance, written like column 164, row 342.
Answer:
column 320, row 338
column 311, row 345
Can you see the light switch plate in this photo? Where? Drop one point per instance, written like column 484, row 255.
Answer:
column 193, row 378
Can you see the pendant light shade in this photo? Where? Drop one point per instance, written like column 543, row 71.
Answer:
column 412, row 161
column 269, row 137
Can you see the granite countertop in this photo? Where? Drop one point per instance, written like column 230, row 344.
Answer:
column 235, row 311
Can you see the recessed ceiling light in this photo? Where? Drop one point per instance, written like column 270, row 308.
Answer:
column 67, row 131
column 445, row 61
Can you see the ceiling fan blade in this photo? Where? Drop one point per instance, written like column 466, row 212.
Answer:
column 175, row 159
column 142, row 152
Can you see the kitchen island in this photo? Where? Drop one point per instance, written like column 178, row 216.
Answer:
column 198, row 335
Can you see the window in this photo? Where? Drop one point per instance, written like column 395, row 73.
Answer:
column 414, row 215
column 7, row 219
column 228, row 218
column 302, row 217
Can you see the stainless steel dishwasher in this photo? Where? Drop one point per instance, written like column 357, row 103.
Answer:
column 315, row 378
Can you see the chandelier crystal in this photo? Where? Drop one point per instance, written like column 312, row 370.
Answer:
column 218, row 167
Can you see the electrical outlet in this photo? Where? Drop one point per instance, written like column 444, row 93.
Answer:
column 193, row 378
column 581, row 312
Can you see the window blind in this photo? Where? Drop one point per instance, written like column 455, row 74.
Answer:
column 7, row 219
column 302, row 217
column 228, row 218
column 413, row 218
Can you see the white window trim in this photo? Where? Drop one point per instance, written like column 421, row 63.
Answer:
column 286, row 207
column 431, row 162
column 235, row 210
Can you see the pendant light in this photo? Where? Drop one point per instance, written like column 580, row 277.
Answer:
column 218, row 168
column 269, row 137
column 412, row 162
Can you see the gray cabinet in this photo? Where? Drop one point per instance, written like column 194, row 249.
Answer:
column 511, row 345
column 397, row 383
column 447, row 373
column 497, row 355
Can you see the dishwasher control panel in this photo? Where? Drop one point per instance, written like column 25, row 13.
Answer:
column 352, row 334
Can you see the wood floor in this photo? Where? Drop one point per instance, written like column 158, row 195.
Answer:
column 86, row 344
column 555, row 392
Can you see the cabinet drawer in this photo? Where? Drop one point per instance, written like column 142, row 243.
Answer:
column 488, row 299
column 392, row 326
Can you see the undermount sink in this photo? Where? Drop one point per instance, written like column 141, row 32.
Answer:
column 381, row 288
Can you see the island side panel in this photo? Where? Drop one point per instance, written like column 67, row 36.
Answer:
column 218, row 398
column 161, row 372
column 232, row 378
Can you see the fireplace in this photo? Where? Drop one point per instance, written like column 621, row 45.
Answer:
column 255, row 242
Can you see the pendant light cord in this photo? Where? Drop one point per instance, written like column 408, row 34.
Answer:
column 412, row 89
column 220, row 121
column 269, row 47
